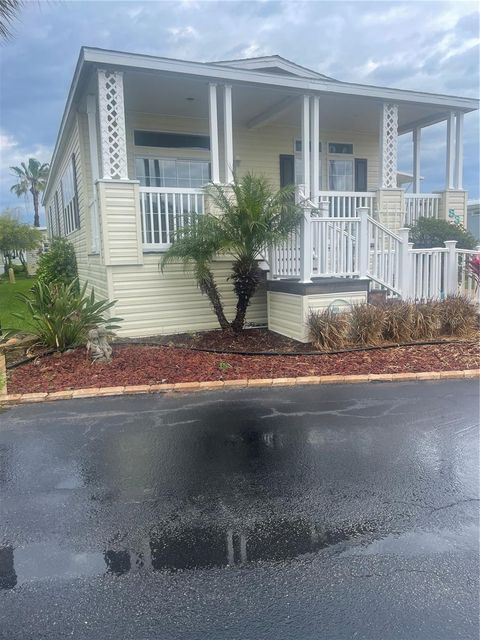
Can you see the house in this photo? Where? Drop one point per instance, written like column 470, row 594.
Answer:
column 141, row 135
column 473, row 218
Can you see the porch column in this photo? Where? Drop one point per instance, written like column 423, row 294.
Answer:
column 315, row 160
column 228, row 133
column 450, row 150
column 417, row 134
column 112, row 125
column 306, row 144
column 459, row 151
column 93, row 148
column 213, row 124
column 388, row 145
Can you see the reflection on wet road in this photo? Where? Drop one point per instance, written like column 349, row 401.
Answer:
column 336, row 508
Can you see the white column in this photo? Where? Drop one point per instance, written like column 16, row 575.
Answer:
column 364, row 242
column 315, row 159
column 306, row 250
column 404, row 275
column 228, row 133
column 417, row 136
column 451, row 279
column 388, row 145
column 213, row 124
column 93, row 144
column 450, row 150
column 459, row 151
column 112, row 125
column 306, row 144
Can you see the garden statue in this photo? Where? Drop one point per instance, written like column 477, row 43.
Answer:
column 98, row 346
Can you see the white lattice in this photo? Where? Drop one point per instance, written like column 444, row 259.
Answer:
column 112, row 124
column 389, row 144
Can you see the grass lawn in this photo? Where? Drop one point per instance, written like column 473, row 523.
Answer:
column 10, row 304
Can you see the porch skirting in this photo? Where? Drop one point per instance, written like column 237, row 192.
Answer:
column 289, row 302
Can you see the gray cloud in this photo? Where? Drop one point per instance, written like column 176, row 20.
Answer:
column 429, row 46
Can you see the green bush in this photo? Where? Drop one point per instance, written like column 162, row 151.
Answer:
column 458, row 316
column 59, row 264
column 60, row 315
column 430, row 232
column 366, row 324
column 328, row 329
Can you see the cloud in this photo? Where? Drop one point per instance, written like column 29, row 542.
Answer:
column 427, row 46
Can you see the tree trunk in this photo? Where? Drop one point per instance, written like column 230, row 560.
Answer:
column 246, row 278
column 208, row 286
column 36, row 217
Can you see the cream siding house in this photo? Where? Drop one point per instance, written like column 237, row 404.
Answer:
column 141, row 136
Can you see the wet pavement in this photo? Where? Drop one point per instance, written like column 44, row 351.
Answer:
column 293, row 513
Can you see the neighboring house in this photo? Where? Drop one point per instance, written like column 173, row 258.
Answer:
column 141, row 136
column 473, row 218
column 34, row 255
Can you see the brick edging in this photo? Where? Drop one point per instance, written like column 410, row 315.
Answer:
column 97, row 392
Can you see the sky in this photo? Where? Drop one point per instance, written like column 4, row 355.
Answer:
column 425, row 46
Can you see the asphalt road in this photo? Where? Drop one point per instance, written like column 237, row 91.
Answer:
column 328, row 512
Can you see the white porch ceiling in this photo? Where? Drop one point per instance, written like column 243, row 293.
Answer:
column 166, row 94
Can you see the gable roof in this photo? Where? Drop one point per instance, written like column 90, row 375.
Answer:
column 272, row 64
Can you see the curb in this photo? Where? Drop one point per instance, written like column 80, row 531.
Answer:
column 97, row 392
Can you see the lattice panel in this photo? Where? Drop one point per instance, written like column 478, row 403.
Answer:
column 112, row 124
column 389, row 141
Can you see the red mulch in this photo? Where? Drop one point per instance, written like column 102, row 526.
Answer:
column 136, row 364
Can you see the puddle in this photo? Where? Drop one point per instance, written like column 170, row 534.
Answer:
column 172, row 548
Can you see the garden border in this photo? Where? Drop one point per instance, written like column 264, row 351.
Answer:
column 213, row 385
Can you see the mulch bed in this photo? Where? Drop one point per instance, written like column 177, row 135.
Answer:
column 137, row 364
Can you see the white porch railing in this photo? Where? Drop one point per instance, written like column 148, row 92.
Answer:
column 363, row 247
column 344, row 204
column 421, row 205
column 164, row 210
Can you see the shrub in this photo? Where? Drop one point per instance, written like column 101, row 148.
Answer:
column 328, row 329
column 473, row 270
column 430, row 232
column 60, row 315
column 398, row 321
column 458, row 316
column 425, row 321
column 366, row 323
column 59, row 264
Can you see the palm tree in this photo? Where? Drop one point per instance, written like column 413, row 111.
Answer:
column 252, row 218
column 31, row 179
column 8, row 13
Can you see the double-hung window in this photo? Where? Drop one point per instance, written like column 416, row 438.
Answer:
column 68, row 184
column 340, row 175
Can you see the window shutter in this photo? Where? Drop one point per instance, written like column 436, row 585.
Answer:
column 360, row 174
column 287, row 170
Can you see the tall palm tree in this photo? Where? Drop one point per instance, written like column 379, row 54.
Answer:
column 8, row 13
column 252, row 218
column 31, row 179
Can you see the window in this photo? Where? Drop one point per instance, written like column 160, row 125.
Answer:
column 171, row 140
column 340, row 147
column 340, row 175
column 68, row 185
column 172, row 172
column 56, row 203
column 298, row 146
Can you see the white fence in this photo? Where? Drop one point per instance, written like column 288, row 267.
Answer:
column 421, row 205
column 164, row 210
column 362, row 247
column 344, row 204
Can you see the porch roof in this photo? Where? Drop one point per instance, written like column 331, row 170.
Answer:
column 419, row 108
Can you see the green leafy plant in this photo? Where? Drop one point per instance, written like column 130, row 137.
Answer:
column 59, row 264
column 458, row 316
column 60, row 315
column 430, row 232
column 328, row 329
column 224, row 366
column 366, row 324
column 16, row 238
column 251, row 218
